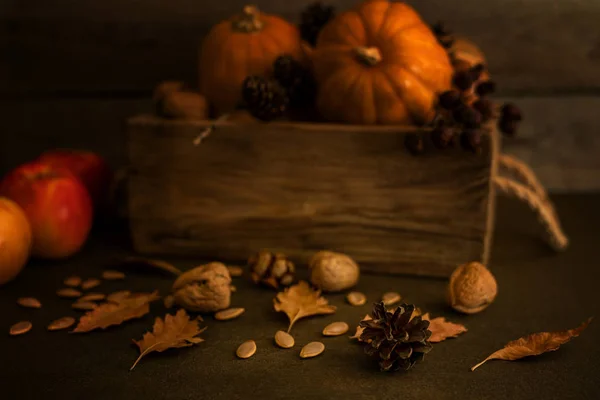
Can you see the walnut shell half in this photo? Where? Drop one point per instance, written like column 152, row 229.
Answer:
column 205, row 289
column 472, row 288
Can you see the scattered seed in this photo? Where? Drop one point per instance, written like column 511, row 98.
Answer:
column 235, row 271
column 112, row 275
column 169, row 301
column 390, row 298
column 312, row 349
column 233, row 289
column 356, row 298
column 20, row 328
column 287, row 280
column 72, row 281
column 118, row 296
column 228, row 314
column 284, row 340
column 336, row 329
column 69, row 293
column 61, row 323
column 93, row 297
column 90, row 283
column 29, row 302
column 246, row 349
column 84, row 305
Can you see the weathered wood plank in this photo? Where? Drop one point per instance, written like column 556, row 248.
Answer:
column 299, row 189
column 542, row 46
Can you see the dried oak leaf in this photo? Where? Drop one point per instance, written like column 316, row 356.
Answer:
column 534, row 344
column 135, row 305
column 175, row 331
column 299, row 301
column 442, row 329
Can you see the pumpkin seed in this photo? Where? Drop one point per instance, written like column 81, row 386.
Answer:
column 72, row 281
column 118, row 296
column 61, row 323
column 235, row 271
column 336, row 329
column 20, row 328
column 390, row 298
column 93, row 297
column 246, row 349
column 233, row 289
column 112, row 275
column 84, row 305
column 29, row 302
column 69, row 293
column 312, row 349
column 284, row 340
column 356, row 298
column 90, row 283
column 228, row 314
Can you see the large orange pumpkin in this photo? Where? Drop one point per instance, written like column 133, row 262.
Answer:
column 246, row 44
column 379, row 64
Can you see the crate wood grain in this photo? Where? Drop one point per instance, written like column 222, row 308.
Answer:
column 300, row 188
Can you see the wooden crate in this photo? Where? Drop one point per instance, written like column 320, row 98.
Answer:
column 299, row 188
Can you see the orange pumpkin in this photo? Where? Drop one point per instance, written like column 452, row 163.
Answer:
column 246, row 44
column 379, row 63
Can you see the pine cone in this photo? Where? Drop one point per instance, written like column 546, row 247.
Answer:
column 264, row 98
column 271, row 269
column 398, row 340
column 297, row 80
column 313, row 19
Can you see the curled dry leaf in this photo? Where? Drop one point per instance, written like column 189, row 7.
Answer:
column 441, row 329
column 175, row 331
column 145, row 263
column 300, row 301
column 134, row 306
column 534, row 344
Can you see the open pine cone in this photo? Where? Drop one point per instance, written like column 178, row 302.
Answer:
column 397, row 339
column 271, row 269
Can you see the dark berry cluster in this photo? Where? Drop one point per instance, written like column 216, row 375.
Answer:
column 292, row 86
column 313, row 19
column 464, row 111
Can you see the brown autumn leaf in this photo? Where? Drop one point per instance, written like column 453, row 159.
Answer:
column 135, row 305
column 534, row 344
column 175, row 331
column 299, row 301
column 442, row 329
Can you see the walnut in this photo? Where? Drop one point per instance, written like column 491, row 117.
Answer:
column 206, row 288
column 333, row 272
column 472, row 288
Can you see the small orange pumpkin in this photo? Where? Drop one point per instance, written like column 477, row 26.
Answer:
column 379, row 63
column 246, row 44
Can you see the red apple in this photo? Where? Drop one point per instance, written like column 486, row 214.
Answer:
column 57, row 206
column 89, row 167
column 15, row 240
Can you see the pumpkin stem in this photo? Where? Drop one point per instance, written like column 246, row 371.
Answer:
column 248, row 21
column 368, row 55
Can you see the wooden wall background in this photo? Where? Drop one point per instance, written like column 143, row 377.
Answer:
column 71, row 71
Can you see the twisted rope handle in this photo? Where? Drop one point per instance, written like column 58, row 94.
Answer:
column 523, row 173
column 544, row 210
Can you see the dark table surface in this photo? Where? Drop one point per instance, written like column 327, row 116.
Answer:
column 538, row 291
